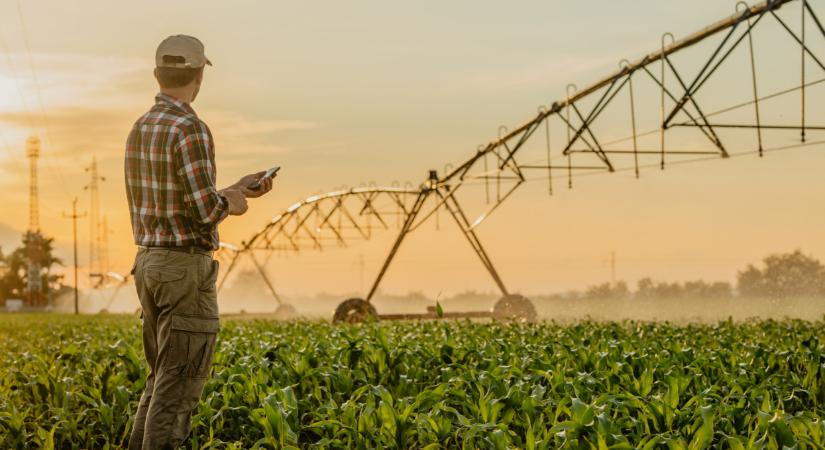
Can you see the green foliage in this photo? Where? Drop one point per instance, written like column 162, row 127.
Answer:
column 13, row 284
column 68, row 382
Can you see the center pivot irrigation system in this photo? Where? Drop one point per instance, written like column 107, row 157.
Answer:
column 688, row 101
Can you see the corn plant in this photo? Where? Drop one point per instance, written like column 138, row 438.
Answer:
column 68, row 382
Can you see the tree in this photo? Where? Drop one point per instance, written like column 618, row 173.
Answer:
column 615, row 291
column 14, row 284
column 783, row 275
column 702, row 289
column 647, row 288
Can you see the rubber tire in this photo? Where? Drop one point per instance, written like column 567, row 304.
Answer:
column 515, row 307
column 285, row 311
column 354, row 310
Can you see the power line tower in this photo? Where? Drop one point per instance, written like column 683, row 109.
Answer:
column 33, row 153
column 33, row 234
column 96, row 257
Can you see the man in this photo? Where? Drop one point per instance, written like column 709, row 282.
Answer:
column 175, row 209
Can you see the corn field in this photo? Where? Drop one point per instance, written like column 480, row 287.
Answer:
column 73, row 382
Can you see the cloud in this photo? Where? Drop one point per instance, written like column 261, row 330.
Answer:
column 10, row 238
column 239, row 125
column 241, row 139
column 66, row 79
column 75, row 133
column 329, row 148
column 581, row 69
column 91, row 111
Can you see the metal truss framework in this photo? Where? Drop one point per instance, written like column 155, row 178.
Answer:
column 338, row 217
column 326, row 220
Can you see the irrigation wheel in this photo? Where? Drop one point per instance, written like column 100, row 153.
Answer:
column 515, row 307
column 354, row 310
column 285, row 311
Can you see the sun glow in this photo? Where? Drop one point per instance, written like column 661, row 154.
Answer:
column 9, row 95
column 12, row 135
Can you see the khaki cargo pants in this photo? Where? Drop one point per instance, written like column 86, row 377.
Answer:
column 180, row 324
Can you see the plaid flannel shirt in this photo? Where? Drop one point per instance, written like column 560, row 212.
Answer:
column 170, row 178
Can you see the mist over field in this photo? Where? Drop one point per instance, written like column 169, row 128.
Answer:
column 256, row 301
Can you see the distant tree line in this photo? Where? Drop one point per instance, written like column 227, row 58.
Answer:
column 784, row 275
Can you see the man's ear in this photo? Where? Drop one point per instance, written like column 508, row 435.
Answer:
column 199, row 77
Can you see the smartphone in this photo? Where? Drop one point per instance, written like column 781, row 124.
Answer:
column 269, row 174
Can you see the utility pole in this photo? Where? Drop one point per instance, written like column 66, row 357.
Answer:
column 74, row 216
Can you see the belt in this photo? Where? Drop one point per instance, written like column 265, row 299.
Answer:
column 191, row 249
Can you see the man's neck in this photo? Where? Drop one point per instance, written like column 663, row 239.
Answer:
column 184, row 94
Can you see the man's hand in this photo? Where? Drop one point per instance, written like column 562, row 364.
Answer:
column 244, row 183
column 237, row 201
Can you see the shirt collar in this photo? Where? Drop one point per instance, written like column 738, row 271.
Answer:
column 174, row 103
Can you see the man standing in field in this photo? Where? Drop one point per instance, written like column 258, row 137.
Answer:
column 175, row 209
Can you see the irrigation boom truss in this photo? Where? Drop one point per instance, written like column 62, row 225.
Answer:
column 672, row 96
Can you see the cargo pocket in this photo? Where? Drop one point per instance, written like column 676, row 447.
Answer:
column 155, row 276
column 191, row 345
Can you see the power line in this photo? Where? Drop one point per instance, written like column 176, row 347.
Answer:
column 34, row 74
column 5, row 50
column 56, row 169
column 17, row 83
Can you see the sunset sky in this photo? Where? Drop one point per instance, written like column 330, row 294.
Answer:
column 343, row 93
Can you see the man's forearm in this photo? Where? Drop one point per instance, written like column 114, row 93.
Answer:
column 210, row 208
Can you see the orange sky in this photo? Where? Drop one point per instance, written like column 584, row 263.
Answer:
column 377, row 92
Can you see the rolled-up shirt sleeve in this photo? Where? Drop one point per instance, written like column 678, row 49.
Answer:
column 195, row 163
